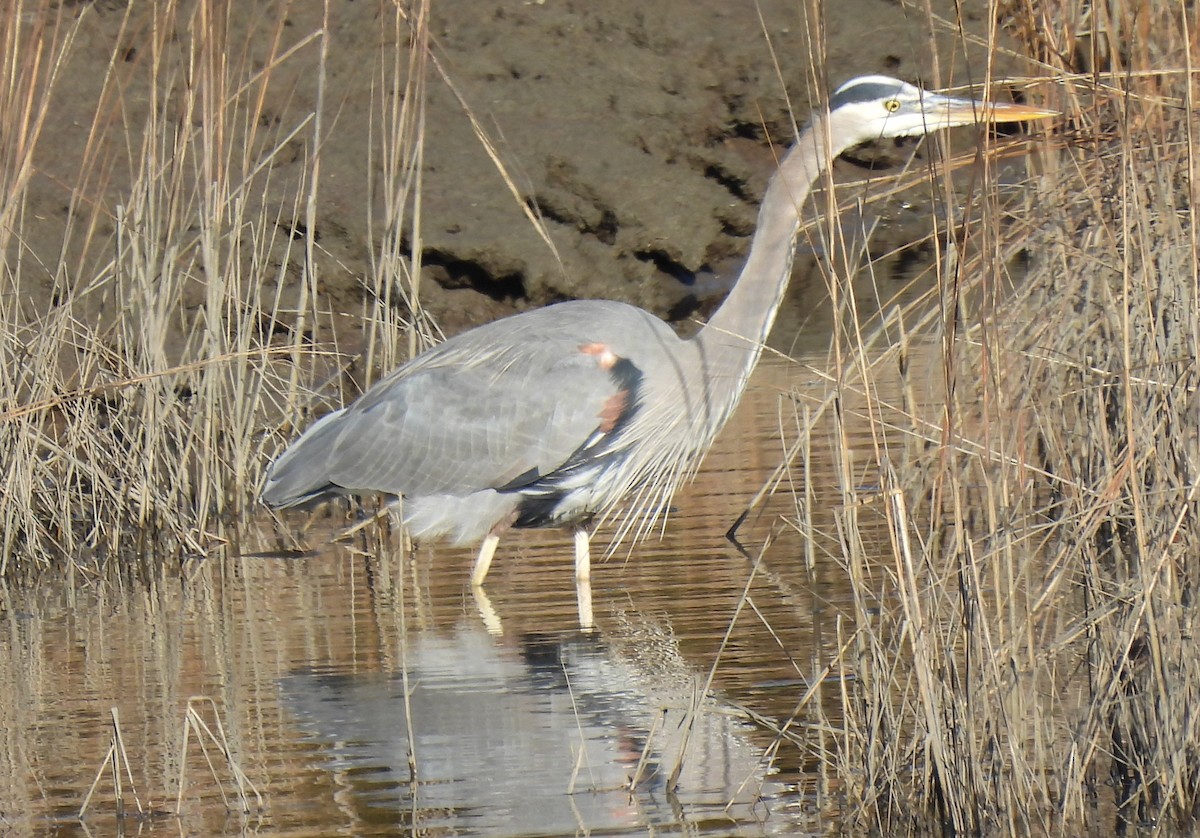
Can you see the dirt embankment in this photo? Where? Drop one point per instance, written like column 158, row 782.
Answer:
column 643, row 134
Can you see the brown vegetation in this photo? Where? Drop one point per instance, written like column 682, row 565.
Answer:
column 1023, row 656
column 1021, row 661
column 184, row 316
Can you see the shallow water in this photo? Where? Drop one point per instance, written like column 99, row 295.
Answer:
column 335, row 677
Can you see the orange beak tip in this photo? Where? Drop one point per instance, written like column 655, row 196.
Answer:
column 1018, row 113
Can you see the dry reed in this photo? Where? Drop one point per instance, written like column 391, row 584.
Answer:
column 1023, row 551
column 1022, row 653
column 184, row 316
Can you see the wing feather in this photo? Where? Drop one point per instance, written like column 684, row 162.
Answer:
column 505, row 403
column 499, row 407
column 446, row 428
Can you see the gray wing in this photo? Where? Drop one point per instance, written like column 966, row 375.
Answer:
column 496, row 407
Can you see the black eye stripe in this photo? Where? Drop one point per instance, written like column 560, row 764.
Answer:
column 865, row 92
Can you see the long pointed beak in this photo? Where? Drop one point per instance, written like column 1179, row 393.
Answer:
column 966, row 111
column 1011, row 112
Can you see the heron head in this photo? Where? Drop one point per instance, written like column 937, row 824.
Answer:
column 876, row 107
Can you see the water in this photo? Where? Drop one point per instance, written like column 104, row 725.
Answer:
column 333, row 676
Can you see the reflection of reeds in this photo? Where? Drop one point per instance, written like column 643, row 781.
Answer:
column 1022, row 638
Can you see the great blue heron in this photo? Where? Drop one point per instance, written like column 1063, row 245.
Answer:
column 553, row 417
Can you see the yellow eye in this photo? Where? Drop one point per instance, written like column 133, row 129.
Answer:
column 892, row 105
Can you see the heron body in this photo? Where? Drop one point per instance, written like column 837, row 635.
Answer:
column 555, row 416
column 479, row 434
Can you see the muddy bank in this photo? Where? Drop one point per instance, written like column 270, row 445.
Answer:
column 642, row 138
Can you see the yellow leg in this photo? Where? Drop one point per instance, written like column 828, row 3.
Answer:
column 491, row 620
column 583, row 555
column 483, row 561
column 583, row 594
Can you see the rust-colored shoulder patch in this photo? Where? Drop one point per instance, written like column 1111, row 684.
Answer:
column 605, row 357
column 614, row 408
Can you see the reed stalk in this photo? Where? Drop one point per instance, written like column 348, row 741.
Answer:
column 1019, row 534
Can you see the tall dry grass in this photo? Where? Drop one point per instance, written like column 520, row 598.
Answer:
column 1021, row 655
column 1019, row 661
column 184, row 314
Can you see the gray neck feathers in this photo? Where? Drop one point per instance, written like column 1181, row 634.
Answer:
column 733, row 339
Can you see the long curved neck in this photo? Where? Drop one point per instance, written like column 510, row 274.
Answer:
column 734, row 337
column 711, row 375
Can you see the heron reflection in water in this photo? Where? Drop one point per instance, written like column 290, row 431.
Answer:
column 555, row 417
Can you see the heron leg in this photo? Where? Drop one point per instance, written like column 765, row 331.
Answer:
column 483, row 561
column 583, row 595
column 491, row 620
column 583, row 555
